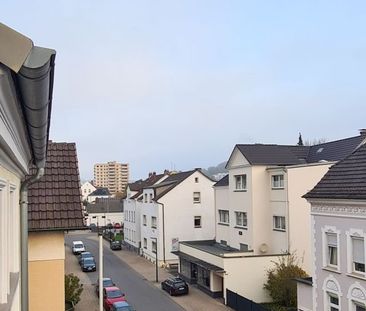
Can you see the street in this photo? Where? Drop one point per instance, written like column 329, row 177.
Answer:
column 140, row 293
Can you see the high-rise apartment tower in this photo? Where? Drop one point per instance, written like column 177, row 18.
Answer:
column 112, row 175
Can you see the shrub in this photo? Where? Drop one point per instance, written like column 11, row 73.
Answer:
column 280, row 283
column 73, row 288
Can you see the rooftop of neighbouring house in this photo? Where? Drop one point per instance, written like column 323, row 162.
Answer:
column 54, row 201
column 269, row 154
column 105, row 205
column 212, row 247
column 344, row 180
column 100, row 191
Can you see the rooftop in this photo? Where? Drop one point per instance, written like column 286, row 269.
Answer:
column 344, row 180
column 212, row 247
column 55, row 200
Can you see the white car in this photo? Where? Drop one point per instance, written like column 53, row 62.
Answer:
column 78, row 247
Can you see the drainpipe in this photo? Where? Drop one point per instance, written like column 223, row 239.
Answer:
column 24, row 236
column 163, row 208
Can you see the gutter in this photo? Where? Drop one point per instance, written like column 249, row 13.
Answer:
column 33, row 74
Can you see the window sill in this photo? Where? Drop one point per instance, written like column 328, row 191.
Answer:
column 332, row 269
column 279, row 188
column 197, row 202
column 240, row 190
column 356, row 275
column 223, row 224
column 197, row 227
column 279, row 230
column 241, row 228
column 152, row 227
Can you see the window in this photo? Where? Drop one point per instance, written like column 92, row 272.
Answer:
column 153, row 222
column 153, row 246
column 145, row 243
column 196, row 180
column 151, row 197
column 145, row 197
column 279, row 223
column 223, row 242
column 332, row 249
column 144, row 220
column 240, row 182
column 223, row 216
column 333, row 302
column 241, row 219
column 358, row 254
column 277, row 182
column 197, row 221
column 196, row 197
column 358, row 306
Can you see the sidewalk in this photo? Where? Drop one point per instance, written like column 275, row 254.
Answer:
column 195, row 301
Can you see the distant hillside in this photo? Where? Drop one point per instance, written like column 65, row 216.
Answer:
column 216, row 172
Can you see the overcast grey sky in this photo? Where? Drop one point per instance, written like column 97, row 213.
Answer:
column 176, row 84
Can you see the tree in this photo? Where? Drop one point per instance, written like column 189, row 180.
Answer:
column 300, row 143
column 73, row 288
column 280, row 283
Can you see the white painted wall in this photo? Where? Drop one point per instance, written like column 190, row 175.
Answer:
column 179, row 212
column 86, row 189
column 109, row 218
column 132, row 222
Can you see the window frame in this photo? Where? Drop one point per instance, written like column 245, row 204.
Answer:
column 196, row 197
column 282, row 222
column 245, row 219
column 281, row 181
column 144, row 220
column 154, row 222
column 240, row 182
column 194, row 222
column 223, row 212
column 326, row 232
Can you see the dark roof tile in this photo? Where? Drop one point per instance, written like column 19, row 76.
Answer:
column 344, row 180
column 55, row 200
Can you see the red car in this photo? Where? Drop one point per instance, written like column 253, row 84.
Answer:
column 111, row 295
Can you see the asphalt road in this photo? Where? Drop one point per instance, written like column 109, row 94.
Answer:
column 139, row 292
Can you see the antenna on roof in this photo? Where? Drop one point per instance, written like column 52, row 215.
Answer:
column 300, row 143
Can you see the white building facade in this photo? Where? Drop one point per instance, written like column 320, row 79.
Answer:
column 260, row 215
column 86, row 189
column 181, row 208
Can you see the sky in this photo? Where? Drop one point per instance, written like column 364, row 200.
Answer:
column 176, row 84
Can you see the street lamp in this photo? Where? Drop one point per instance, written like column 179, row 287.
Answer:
column 156, row 259
column 100, row 234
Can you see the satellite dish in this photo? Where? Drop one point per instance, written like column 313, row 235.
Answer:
column 263, row 248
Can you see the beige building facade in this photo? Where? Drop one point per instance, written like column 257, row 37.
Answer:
column 111, row 175
column 46, row 264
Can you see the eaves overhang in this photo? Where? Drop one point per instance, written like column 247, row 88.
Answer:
column 33, row 74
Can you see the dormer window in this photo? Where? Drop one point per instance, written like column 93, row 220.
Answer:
column 240, row 182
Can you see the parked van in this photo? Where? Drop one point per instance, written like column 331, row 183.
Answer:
column 78, row 247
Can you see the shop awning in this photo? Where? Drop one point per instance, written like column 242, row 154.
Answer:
column 198, row 262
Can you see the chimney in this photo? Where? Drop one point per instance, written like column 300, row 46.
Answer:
column 362, row 132
column 166, row 172
column 150, row 174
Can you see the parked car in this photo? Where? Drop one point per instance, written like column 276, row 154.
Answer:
column 107, row 282
column 175, row 286
column 117, row 226
column 121, row 306
column 116, row 245
column 84, row 255
column 111, row 295
column 78, row 247
column 88, row 264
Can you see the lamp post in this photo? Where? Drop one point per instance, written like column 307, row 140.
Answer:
column 156, row 259
column 100, row 235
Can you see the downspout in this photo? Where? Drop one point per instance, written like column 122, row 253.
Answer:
column 24, row 236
